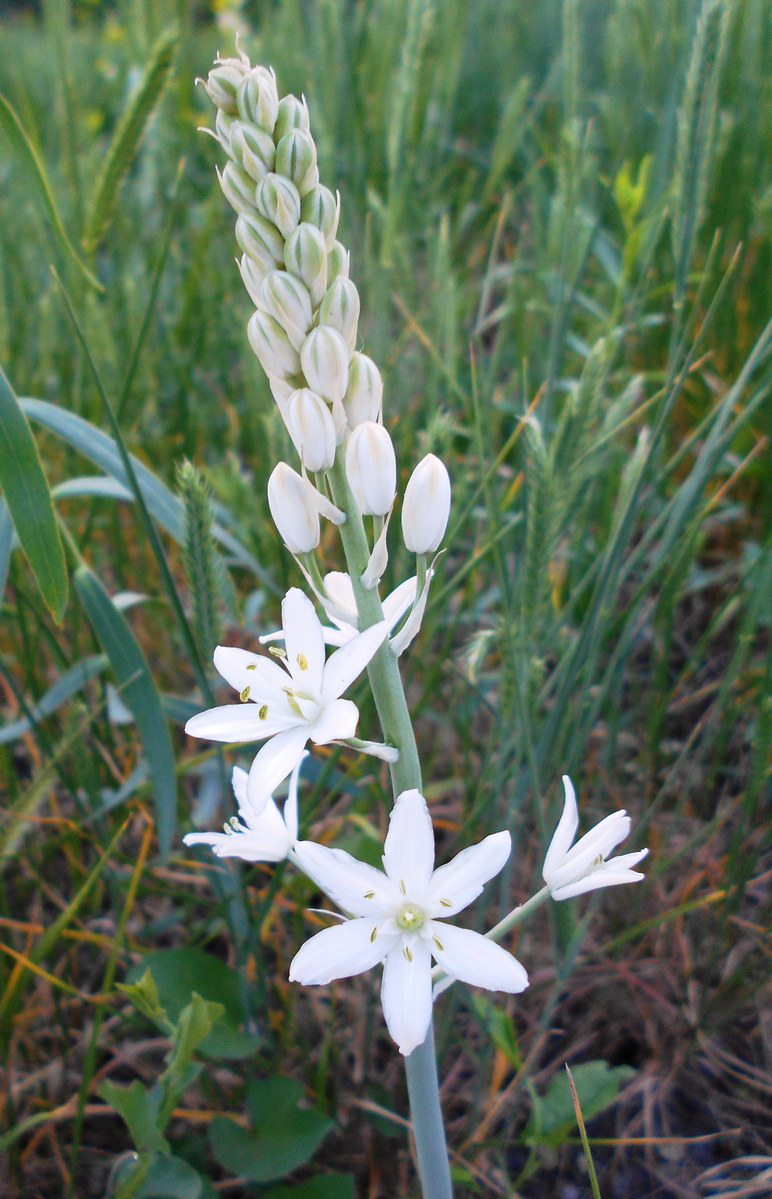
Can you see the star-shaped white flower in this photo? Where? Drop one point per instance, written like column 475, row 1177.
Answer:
column 400, row 916
column 341, row 608
column 290, row 703
column 573, row 871
column 268, row 837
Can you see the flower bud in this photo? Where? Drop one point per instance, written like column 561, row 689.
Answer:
column 337, row 263
column 364, row 395
column 238, row 188
column 371, row 468
column 223, row 125
column 293, row 114
column 252, row 276
column 257, row 99
column 340, row 310
column 426, row 506
column 321, row 208
column 324, row 359
column 252, row 148
column 269, row 341
column 223, row 83
column 312, row 429
column 296, row 158
column 293, row 512
column 260, row 240
column 279, row 202
column 305, row 256
column 288, row 302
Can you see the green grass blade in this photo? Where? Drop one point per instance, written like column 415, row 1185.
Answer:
column 140, row 695
column 29, row 502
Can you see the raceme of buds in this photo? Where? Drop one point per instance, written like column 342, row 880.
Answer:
column 305, row 255
column 258, row 100
column 322, row 208
column 324, row 359
column 296, row 158
column 294, row 512
column 293, row 114
column 288, row 302
column 364, row 395
column 426, row 506
column 223, row 83
column 340, row 310
column 260, row 240
column 311, row 428
column 272, row 345
column 238, row 187
column 252, row 148
column 371, row 467
column 337, row 263
column 278, row 200
column 252, row 276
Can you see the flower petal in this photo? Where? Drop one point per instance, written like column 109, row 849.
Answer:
column 339, row 952
column 291, row 804
column 454, row 886
column 336, row 722
column 408, row 852
column 303, row 640
column 255, row 846
column 397, row 603
column 475, row 959
column 610, row 874
column 357, row 888
column 565, row 832
column 340, row 589
column 349, row 661
column 242, row 669
column 239, row 722
column 239, row 783
column 406, row 994
column 274, row 762
column 596, row 844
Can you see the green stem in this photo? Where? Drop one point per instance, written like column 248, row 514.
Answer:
column 394, row 715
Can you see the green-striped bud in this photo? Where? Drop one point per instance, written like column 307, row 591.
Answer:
column 257, row 99
column 269, row 341
column 293, row 114
column 222, row 129
column 252, row 277
column 311, row 428
column 337, row 263
column 253, row 149
column 279, row 201
column 222, row 84
column 288, row 302
column 305, row 256
column 260, row 240
column 324, row 359
column 340, row 310
column 321, row 208
column 364, row 395
column 238, row 187
column 296, row 158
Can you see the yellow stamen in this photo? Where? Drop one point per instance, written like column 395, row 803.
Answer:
column 402, row 886
column 369, row 894
column 374, row 933
column 252, row 666
column 446, row 903
column 407, row 953
column 263, row 712
column 244, row 695
column 438, row 943
column 302, row 661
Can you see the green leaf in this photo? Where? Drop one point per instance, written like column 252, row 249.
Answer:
column 321, row 1186
column 29, row 502
column 501, row 1029
column 139, row 1108
column 164, row 1177
column 193, row 1027
column 6, row 543
column 140, row 695
column 30, row 160
column 144, row 996
column 553, row 1117
column 71, row 681
column 284, row 1136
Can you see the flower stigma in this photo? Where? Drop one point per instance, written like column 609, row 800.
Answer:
column 410, row 918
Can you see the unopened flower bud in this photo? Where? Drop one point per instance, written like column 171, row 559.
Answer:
column 322, row 208
column 364, row 395
column 305, row 255
column 223, row 125
column 252, row 148
column 337, row 263
column 257, row 98
column 296, row 158
column 340, row 310
column 269, row 341
column 371, row 467
column 288, row 302
column 222, row 84
column 252, row 276
column 293, row 114
column 324, row 359
column 426, row 506
column 311, row 428
column 293, row 512
column 260, row 240
column 238, row 187
column 279, row 201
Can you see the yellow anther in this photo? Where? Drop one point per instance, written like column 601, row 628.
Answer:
column 244, row 695
column 374, row 933
column 263, row 711
column 277, row 651
column 438, row 943
column 302, row 661
column 446, row 903
column 369, row 894
column 252, row 666
column 407, row 953
column 402, row 887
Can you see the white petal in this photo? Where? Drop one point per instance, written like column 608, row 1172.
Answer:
column 340, row 636
column 250, row 847
column 242, row 669
column 341, row 591
column 274, row 762
column 357, row 888
column 610, row 874
column 406, row 995
column 348, row 662
column 336, row 722
column 597, row 843
column 239, row 784
column 408, row 852
column 476, row 959
column 303, row 640
column 397, row 603
column 291, row 805
column 566, row 830
column 239, row 722
column 379, row 558
column 454, row 886
column 411, row 627
column 339, row 952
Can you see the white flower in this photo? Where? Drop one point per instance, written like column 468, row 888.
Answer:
column 426, row 506
column 290, row 704
column 399, row 916
column 572, row 871
column 268, row 837
column 341, row 608
column 293, row 510
column 371, row 467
